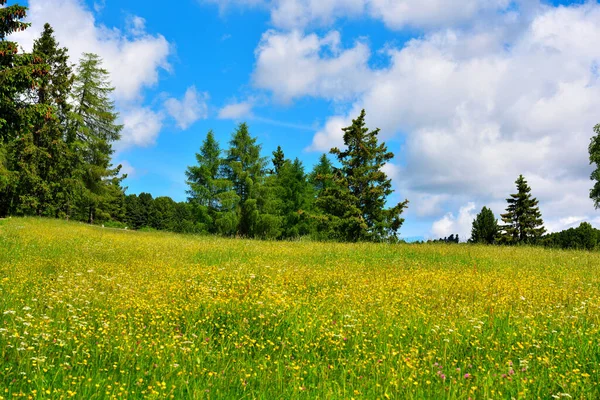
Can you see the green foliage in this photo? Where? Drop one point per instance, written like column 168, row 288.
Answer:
column 485, row 227
column 584, row 237
column 354, row 205
column 594, row 151
column 523, row 219
column 278, row 160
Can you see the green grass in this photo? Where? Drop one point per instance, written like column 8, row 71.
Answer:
column 91, row 313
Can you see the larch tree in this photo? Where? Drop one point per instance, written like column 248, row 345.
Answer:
column 485, row 227
column 93, row 131
column 356, row 202
column 594, row 150
column 523, row 220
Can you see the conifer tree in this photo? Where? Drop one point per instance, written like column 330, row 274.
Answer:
column 321, row 176
column 278, row 160
column 355, row 204
column 246, row 170
column 295, row 199
column 485, row 227
column 523, row 219
column 594, row 151
column 93, row 131
column 208, row 187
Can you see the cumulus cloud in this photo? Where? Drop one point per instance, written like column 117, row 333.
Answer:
column 189, row 109
column 450, row 224
column 141, row 127
column 292, row 65
column 395, row 14
column 133, row 60
column 476, row 108
column 237, row 110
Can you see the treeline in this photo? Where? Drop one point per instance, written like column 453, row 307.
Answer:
column 57, row 126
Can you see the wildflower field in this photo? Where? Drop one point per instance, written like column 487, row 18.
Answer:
column 90, row 313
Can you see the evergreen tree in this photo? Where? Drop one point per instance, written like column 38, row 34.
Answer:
column 209, row 189
column 246, row 169
column 295, row 199
column 321, row 176
column 485, row 227
column 594, row 150
column 92, row 133
column 355, row 204
column 523, row 220
column 278, row 160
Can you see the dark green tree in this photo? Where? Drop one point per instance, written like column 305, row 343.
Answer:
column 523, row 220
column 485, row 227
column 321, row 176
column 355, row 205
column 594, row 150
column 295, row 197
column 93, row 131
column 278, row 160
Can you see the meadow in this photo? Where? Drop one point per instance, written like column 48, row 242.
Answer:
column 89, row 312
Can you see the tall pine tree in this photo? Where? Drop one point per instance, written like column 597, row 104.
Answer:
column 355, row 204
column 594, row 150
column 523, row 219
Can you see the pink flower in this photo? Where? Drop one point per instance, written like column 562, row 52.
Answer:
column 468, row 376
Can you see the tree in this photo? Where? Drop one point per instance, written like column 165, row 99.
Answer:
column 246, row 169
column 523, row 219
column 485, row 227
column 594, row 150
column 278, row 160
column 583, row 237
column 208, row 186
column 93, row 131
column 321, row 176
column 355, row 204
column 295, row 199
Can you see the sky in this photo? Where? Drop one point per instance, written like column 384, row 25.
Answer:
column 468, row 94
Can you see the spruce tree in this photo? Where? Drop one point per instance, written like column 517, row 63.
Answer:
column 93, row 131
column 321, row 176
column 246, row 170
column 278, row 160
column 208, row 187
column 523, row 219
column 295, row 199
column 355, row 204
column 594, row 151
column 485, row 227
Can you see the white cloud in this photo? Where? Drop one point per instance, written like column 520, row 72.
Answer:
column 133, row 62
column 293, row 65
column 189, row 109
column 476, row 107
column 237, row 110
column 141, row 128
column 450, row 224
column 395, row 14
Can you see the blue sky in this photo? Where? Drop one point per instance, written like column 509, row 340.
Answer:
column 468, row 94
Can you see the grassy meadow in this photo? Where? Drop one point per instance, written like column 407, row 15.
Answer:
column 90, row 312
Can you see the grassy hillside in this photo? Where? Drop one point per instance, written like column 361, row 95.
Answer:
column 90, row 313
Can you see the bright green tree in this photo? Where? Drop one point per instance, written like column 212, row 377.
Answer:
column 321, row 177
column 594, row 150
column 356, row 203
column 209, row 190
column 93, row 132
column 485, row 227
column 523, row 220
column 246, row 169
